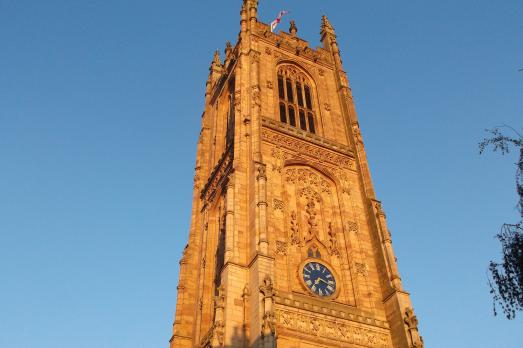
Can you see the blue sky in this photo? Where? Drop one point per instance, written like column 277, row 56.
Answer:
column 100, row 103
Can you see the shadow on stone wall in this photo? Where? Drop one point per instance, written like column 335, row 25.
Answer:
column 239, row 340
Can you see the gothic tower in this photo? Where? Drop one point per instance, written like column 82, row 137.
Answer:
column 288, row 245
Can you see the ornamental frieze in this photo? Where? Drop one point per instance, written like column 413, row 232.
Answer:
column 291, row 44
column 333, row 329
column 304, row 176
column 305, row 148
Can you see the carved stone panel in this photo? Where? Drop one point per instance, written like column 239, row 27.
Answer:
column 307, row 149
column 313, row 217
column 331, row 328
column 281, row 248
column 278, row 204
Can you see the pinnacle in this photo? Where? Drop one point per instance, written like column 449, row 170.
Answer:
column 293, row 28
column 228, row 52
column 325, row 24
column 216, row 59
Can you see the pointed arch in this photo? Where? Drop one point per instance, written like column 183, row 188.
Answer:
column 297, row 97
column 315, row 249
column 298, row 66
column 304, row 162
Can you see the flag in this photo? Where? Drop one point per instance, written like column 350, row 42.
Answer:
column 277, row 21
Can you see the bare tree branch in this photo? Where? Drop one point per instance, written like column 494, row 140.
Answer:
column 506, row 278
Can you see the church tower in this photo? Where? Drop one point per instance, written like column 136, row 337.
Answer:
column 288, row 244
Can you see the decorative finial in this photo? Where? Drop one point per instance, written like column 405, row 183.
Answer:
column 216, row 59
column 293, row 28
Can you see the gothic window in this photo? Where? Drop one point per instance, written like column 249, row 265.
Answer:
column 314, row 252
column 229, row 135
column 295, row 99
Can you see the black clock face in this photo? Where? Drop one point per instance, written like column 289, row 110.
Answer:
column 319, row 279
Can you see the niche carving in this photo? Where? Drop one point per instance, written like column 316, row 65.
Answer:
column 314, row 223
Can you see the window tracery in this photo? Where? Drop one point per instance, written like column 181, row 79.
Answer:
column 295, row 99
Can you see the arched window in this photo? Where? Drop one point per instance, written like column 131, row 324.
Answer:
column 314, row 252
column 294, row 91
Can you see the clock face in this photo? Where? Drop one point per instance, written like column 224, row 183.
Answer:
column 319, row 279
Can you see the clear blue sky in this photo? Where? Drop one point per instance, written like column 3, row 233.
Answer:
column 100, row 104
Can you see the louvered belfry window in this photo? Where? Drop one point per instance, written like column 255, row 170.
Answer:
column 295, row 99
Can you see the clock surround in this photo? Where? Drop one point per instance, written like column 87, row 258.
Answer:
column 332, row 271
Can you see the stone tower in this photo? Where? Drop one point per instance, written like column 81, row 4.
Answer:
column 288, row 245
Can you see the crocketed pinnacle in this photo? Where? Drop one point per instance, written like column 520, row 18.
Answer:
column 325, row 24
column 216, row 59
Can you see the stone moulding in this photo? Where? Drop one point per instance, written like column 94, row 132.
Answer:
column 300, row 305
column 218, row 175
column 322, row 149
column 331, row 328
column 331, row 268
